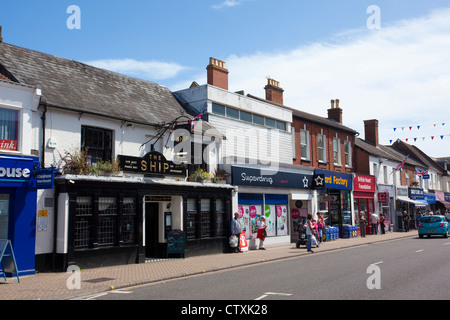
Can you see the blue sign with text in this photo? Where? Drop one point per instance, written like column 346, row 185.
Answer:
column 336, row 180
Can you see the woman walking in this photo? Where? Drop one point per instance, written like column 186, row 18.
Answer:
column 261, row 235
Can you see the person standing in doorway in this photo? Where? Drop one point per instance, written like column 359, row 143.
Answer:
column 262, row 234
column 236, row 230
column 309, row 232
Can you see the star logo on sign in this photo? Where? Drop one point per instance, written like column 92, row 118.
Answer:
column 305, row 182
column 319, row 181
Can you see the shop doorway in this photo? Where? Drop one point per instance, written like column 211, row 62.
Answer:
column 4, row 216
column 151, row 229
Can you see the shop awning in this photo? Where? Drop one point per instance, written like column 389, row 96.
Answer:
column 417, row 203
column 445, row 203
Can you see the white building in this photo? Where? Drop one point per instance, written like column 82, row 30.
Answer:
column 257, row 152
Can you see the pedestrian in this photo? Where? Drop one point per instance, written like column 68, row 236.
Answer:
column 309, row 232
column 405, row 221
column 382, row 226
column 262, row 233
column 362, row 224
column 236, row 230
column 320, row 224
column 447, row 215
column 373, row 223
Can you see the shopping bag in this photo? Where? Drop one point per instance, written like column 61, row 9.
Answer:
column 233, row 241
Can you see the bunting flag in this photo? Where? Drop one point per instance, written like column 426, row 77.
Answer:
column 420, row 126
column 197, row 119
column 437, row 137
column 400, row 166
column 421, row 173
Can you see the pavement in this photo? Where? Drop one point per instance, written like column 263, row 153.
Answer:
column 67, row 286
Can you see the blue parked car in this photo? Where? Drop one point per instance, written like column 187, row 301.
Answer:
column 433, row 225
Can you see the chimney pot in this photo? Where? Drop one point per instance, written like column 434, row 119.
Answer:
column 335, row 113
column 217, row 73
column 274, row 92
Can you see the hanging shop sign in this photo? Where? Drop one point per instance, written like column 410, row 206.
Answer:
column 336, row 180
column 153, row 163
column 243, row 176
column 383, row 197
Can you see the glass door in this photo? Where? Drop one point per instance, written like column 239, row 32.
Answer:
column 4, row 215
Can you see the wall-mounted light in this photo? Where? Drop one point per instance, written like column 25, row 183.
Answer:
column 168, row 205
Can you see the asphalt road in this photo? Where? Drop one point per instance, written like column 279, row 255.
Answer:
column 412, row 268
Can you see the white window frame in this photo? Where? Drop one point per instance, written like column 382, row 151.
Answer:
column 322, row 149
column 338, row 151
column 305, row 144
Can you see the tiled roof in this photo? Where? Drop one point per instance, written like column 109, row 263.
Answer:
column 76, row 86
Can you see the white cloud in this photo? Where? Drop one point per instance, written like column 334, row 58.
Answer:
column 399, row 75
column 227, row 4
column 150, row 70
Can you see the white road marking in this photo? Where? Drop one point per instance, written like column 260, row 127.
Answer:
column 419, row 251
column 273, row 294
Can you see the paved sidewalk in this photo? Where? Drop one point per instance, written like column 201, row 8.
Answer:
column 53, row 286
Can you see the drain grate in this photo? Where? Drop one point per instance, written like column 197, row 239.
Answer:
column 97, row 280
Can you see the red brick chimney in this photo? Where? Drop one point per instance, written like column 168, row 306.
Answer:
column 335, row 113
column 371, row 131
column 217, row 73
column 274, row 92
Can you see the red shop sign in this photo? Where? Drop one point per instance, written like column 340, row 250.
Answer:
column 364, row 183
column 382, row 197
column 9, row 145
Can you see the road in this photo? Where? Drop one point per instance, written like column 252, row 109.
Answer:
column 407, row 269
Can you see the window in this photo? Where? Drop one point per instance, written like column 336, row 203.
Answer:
column 258, row 120
column 83, row 222
column 97, row 142
column 128, row 227
column 385, row 174
column 270, row 123
column 218, row 109
column 191, row 218
column 206, row 225
column 246, row 116
column 321, row 146
column 220, row 218
column 233, row 113
column 337, row 151
column 9, row 129
column 304, row 144
column 107, row 221
column 348, row 153
column 281, row 125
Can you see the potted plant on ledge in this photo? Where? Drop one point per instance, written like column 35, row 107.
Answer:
column 200, row 175
column 220, row 176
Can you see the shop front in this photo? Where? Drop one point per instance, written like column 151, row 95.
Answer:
column 442, row 201
column 386, row 204
column 364, row 197
column 280, row 197
column 410, row 200
column 104, row 221
column 19, row 181
column 334, row 198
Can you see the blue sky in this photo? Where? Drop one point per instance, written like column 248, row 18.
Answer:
column 318, row 50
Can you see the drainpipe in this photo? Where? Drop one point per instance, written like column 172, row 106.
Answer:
column 44, row 123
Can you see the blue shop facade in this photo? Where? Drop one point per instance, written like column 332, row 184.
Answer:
column 20, row 178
